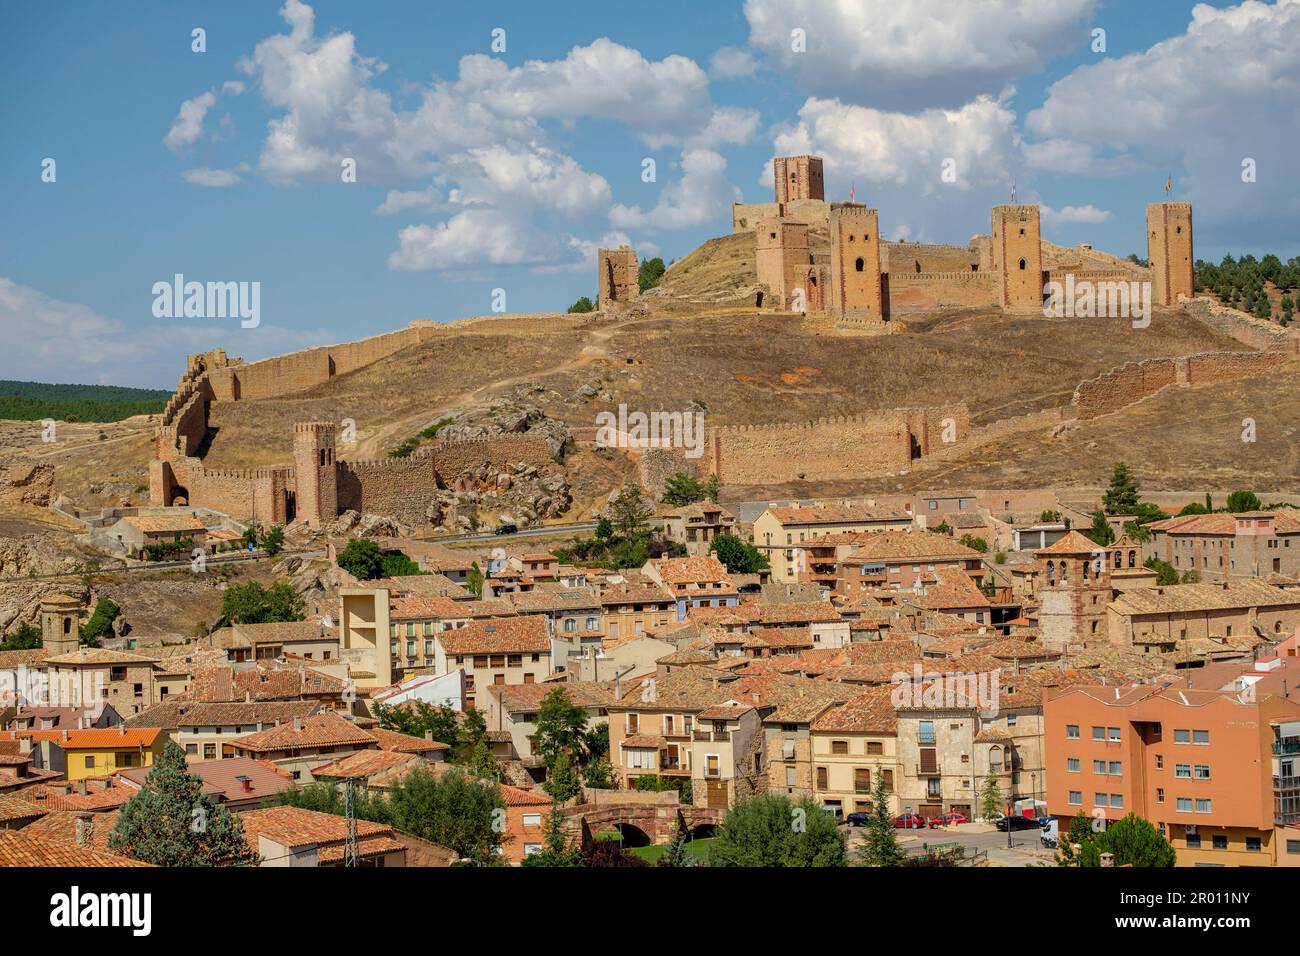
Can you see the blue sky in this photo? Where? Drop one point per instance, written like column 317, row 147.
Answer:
column 479, row 170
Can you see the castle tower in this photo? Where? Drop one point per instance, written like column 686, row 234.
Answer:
column 782, row 260
column 60, row 624
column 1169, row 250
column 1073, row 590
column 316, row 495
column 798, row 177
column 857, row 291
column 617, row 278
column 1018, row 257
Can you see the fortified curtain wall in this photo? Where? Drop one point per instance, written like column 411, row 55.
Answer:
column 830, row 449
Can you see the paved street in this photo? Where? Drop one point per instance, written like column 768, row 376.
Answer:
column 1025, row 848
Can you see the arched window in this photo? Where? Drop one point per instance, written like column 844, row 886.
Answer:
column 1051, row 573
column 1119, row 560
column 1022, row 264
column 859, row 265
column 1132, row 559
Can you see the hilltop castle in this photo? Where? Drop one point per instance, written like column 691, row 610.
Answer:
column 862, row 280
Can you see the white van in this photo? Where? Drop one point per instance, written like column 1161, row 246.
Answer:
column 1050, row 836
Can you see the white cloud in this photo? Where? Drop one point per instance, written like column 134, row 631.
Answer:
column 730, row 63
column 733, row 125
column 919, row 53
column 702, row 195
column 469, row 239
column 187, row 127
column 62, row 341
column 1193, row 106
column 1072, row 214
column 529, row 175
column 896, row 162
column 213, row 178
column 398, row 201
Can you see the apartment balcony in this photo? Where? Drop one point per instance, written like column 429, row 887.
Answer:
column 712, row 736
column 1283, row 748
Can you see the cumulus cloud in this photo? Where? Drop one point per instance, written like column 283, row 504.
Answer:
column 897, row 162
column 187, row 127
column 915, row 54
column 1072, row 214
column 1177, row 109
column 399, row 201
column 59, row 336
column 731, row 63
column 701, row 195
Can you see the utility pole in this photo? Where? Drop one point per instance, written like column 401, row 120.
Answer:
column 350, row 815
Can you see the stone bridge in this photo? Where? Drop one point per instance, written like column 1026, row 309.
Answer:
column 657, row 819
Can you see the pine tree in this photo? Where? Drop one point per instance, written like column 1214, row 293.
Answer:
column 1101, row 532
column 556, row 848
column 171, row 822
column 677, row 854
column 562, row 781
column 881, row 847
column 1121, row 498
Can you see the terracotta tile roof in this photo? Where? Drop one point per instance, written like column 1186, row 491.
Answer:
column 60, row 826
column 162, row 524
column 14, row 810
column 1072, row 542
column 836, row 514
column 870, row 712
column 99, row 656
column 799, row 612
column 1184, row 598
column 425, row 607
column 517, row 797
column 689, row 570
column 19, row 849
column 100, row 738
column 319, row 730
column 527, row 698
column 644, row 740
column 783, row 636
column 1014, row 650
column 35, row 655
column 724, row 712
column 296, row 828
column 405, row 743
column 526, row 634
column 185, row 713
column 221, row 778
column 1223, row 523
column 362, row 764
column 701, row 509
column 908, row 546
column 279, row 632
column 688, row 656
column 543, row 599
column 641, row 593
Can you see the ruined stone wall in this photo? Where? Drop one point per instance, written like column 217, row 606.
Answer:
column 1229, row 366
column 1122, row 386
column 1246, row 329
column 456, row 458
column 911, row 292
column 402, row 488
column 829, row 449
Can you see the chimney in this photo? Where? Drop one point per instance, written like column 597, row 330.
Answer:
column 121, row 730
column 25, row 743
column 246, row 783
column 297, row 725
column 65, row 735
column 428, row 735
column 85, row 830
column 81, row 786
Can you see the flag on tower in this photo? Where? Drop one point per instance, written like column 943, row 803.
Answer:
column 1169, row 185
column 853, row 189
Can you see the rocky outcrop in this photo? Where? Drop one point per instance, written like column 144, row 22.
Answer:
column 520, row 493
column 26, row 483
column 509, row 416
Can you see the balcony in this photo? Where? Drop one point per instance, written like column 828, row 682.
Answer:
column 1286, row 747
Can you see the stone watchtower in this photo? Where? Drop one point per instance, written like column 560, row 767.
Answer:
column 857, row 288
column 1169, row 251
column 782, row 260
column 60, row 624
column 316, row 498
column 1018, row 257
column 617, row 278
column 1073, row 588
column 798, row 177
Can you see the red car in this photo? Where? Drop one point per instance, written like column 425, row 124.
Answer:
column 948, row 819
column 909, row 821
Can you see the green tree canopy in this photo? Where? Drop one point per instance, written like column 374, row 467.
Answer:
column 362, row 559
column 252, row 603
column 881, row 847
column 100, row 624
column 774, row 831
column 739, row 556
column 1121, row 498
column 629, row 510
column 561, row 726
column 171, row 822
column 682, row 489
column 651, row 271
column 453, row 810
column 1101, row 532
column 1240, row 501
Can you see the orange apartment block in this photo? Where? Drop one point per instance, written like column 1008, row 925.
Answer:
column 1212, row 769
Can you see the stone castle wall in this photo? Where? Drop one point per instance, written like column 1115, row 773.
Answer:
column 911, row 292
column 830, row 449
column 400, row 487
column 1249, row 331
column 457, row 458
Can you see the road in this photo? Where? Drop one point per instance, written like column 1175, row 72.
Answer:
column 1025, row 849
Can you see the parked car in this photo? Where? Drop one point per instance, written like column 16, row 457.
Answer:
column 1051, row 834
column 507, row 529
column 948, row 819
column 1017, row 823
column 909, row 821
column 835, row 813
column 858, row 819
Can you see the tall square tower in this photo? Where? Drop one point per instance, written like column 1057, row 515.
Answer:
column 1169, row 250
column 857, row 293
column 1018, row 257
column 798, row 177
column 315, row 473
column 781, row 258
column 617, row 278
